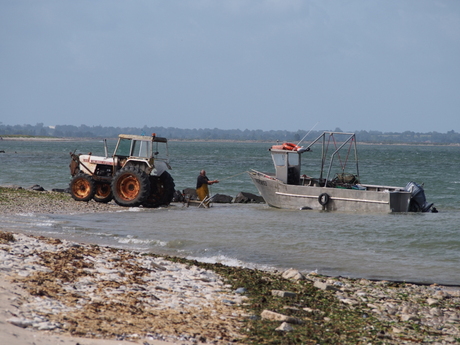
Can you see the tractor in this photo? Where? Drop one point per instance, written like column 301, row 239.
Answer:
column 135, row 175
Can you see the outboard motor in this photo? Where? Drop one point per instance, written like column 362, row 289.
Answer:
column 417, row 200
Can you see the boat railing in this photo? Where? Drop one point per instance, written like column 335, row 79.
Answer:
column 350, row 138
column 380, row 188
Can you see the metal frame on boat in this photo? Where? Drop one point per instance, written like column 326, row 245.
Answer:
column 287, row 188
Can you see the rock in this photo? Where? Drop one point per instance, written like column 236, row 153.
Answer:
column 23, row 323
column 324, row 286
column 178, row 196
column 190, row 194
column 455, row 319
column 241, row 290
column 272, row 316
column 222, row 199
column 409, row 317
column 244, row 198
column 310, row 310
column 440, row 295
column 293, row 274
column 44, row 326
column 283, row 293
column 284, row 327
column 349, row 301
column 228, row 302
column 37, row 188
column 397, row 330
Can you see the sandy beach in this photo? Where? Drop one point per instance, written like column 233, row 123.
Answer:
column 56, row 291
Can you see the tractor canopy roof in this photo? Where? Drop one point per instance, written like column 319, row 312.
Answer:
column 152, row 137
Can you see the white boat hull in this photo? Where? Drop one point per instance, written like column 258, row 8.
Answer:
column 371, row 198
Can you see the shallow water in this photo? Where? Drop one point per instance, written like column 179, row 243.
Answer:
column 407, row 247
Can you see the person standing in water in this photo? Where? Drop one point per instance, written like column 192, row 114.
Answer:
column 202, row 183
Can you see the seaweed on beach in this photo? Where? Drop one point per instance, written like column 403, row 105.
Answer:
column 325, row 319
column 6, row 237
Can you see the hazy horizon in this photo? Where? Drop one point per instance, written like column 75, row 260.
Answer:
column 229, row 129
column 238, row 64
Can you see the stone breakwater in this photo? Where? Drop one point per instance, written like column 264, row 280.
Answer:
column 99, row 292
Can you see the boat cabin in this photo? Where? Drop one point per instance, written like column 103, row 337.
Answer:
column 287, row 164
column 287, row 161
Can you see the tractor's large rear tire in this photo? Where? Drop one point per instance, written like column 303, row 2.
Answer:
column 130, row 187
column 82, row 187
column 161, row 190
column 103, row 192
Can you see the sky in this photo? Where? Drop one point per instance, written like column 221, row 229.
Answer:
column 382, row 65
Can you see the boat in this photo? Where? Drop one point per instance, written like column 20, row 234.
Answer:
column 288, row 188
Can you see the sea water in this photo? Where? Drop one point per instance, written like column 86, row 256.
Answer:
column 413, row 247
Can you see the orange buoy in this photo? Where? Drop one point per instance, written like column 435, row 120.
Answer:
column 290, row 147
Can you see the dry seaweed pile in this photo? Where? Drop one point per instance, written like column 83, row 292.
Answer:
column 120, row 300
column 6, row 237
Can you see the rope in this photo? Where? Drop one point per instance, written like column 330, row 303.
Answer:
column 298, row 144
column 226, row 178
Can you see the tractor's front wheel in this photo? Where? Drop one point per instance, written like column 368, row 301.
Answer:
column 103, row 192
column 130, row 187
column 82, row 187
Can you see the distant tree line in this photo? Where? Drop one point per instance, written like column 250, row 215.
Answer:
column 83, row 131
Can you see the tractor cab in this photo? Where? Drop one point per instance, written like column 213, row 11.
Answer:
column 149, row 151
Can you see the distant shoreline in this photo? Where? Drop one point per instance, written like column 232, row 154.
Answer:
column 27, row 138
column 6, row 138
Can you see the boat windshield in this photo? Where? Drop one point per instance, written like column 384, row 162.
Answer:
column 279, row 159
column 293, row 158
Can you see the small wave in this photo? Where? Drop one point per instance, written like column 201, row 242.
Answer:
column 31, row 220
column 28, row 214
column 232, row 262
column 46, row 224
column 137, row 241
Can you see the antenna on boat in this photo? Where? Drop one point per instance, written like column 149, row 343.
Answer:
column 298, row 144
